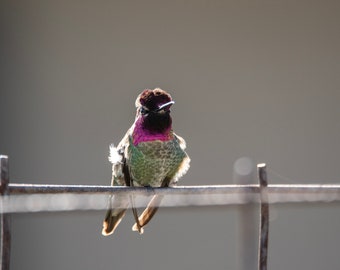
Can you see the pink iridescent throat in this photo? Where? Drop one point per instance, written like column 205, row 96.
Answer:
column 142, row 135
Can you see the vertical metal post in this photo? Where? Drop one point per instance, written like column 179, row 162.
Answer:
column 264, row 217
column 244, row 173
column 5, row 226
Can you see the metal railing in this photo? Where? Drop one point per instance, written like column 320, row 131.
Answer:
column 35, row 198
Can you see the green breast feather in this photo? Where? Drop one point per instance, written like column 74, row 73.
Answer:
column 150, row 162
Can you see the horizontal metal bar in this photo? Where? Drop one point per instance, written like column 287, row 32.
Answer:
column 35, row 198
column 211, row 189
column 16, row 189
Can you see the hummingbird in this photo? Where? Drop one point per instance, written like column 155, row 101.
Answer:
column 149, row 155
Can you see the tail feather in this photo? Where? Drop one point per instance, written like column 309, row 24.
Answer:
column 149, row 212
column 112, row 220
column 152, row 207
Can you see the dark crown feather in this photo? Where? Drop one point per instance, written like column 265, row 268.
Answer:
column 152, row 99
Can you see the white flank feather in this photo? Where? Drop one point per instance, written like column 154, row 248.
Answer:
column 114, row 156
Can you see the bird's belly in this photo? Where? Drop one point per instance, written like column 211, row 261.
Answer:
column 151, row 162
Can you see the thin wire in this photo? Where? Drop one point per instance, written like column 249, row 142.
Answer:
column 280, row 176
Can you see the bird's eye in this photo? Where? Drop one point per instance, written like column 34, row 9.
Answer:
column 143, row 111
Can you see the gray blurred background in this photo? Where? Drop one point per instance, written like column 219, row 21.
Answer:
column 250, row 78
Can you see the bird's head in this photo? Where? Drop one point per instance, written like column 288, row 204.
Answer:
column 155, row 101
column 153, row 110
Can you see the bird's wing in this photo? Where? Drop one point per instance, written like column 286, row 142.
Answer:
column 120, row 173
column 181, row 141
column 185, row 164
column 120, row 177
